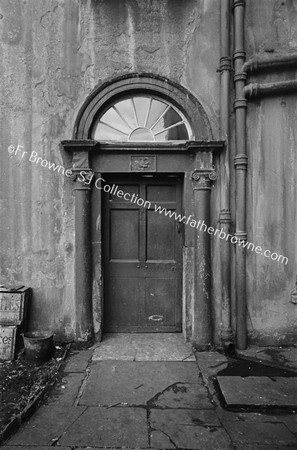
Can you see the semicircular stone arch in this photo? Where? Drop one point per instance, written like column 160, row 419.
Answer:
column 150, row 85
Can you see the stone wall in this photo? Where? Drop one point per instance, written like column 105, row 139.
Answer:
column 54, row 53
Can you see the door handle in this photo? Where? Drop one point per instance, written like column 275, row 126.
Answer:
column 179, row 227
column 173, row 269
column 138, row 267
column 145, row 267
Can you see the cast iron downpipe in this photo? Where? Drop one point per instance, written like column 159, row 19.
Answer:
column 278, row 62
column 225, row 214
column 240, row 162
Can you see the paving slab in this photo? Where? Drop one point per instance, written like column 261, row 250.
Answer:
column 182, row 395
column 260, row 433
column 108, row 427
column 274, row 356
column 289, row 419
column 144, row 347
column 264, row 447
column 187, row 429
column 78, row 361
column 135, row 383
column 46, row 425
column 259, row 391
column 67, row 389
column 31, row 447
column 210, row 363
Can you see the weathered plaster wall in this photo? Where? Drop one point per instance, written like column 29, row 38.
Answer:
column 53, row 54
column 272, row 142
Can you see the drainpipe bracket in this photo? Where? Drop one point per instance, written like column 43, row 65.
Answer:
column 225, row 64
column 225, row 216
column 237, row 3
column 241, row 236
column 240, row 103
column 240, row 53
column 239, row 76
column 241, row 162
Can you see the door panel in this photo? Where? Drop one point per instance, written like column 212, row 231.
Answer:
column 142, row 254
column 124, row 244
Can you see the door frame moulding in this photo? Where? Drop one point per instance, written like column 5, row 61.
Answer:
column 195, row 161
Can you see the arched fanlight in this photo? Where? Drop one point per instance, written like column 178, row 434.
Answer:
column 142, row 118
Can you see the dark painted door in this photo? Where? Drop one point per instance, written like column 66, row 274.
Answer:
column 142, row 254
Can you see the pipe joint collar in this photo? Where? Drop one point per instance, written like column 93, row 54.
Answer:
column 225, row 63
column 241, row 235
column 225, row 216
column 240, row 103
column 241, row 162
column 239, row 53
column 239, row 76
column 237, row 3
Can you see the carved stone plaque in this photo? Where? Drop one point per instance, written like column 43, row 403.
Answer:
column 143, row 163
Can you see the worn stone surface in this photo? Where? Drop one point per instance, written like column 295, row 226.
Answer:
column 134, row 383
column 182, row 395
column 78, row 361
column 264, row 447
column 144, row 347
column 210, row 363
column 66, row 390
column 274, row 356
column 258, row 390
column 187, row 429
column 260, row 433
column 47, row 424
column 113, row 427
column 26, row 447
column 170, row 414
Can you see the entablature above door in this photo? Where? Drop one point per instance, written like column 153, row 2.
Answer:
column 148, row 157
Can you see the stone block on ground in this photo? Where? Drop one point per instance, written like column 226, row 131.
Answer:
column 259, row 391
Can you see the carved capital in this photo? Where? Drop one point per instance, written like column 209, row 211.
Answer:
column 82, row 178
column 202, row 180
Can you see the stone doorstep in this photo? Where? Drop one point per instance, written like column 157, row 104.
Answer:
column 259, row 391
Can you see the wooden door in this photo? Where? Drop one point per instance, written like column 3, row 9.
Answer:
column 142, row 255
